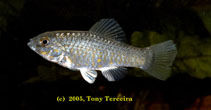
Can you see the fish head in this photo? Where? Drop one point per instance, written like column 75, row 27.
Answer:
column 47, row 46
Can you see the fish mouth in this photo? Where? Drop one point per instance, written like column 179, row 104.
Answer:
column 31, row 45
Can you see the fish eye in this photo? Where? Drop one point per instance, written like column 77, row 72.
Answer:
column 45, row 42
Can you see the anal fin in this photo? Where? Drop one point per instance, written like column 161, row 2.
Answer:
column 114, row 73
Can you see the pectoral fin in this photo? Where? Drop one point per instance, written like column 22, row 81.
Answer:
column 114, row 73
column 88, row 75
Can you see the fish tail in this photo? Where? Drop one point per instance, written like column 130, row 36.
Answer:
column 160, row 59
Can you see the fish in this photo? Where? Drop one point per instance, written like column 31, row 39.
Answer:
column 103, row 48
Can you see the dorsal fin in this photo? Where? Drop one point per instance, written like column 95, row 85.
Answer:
column 108, row 28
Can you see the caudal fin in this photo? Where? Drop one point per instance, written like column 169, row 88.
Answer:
column 162, row 57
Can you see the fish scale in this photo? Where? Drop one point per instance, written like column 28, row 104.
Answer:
column 97, row 47
column 102, row 48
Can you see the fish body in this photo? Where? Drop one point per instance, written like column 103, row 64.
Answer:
column 103, row 48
